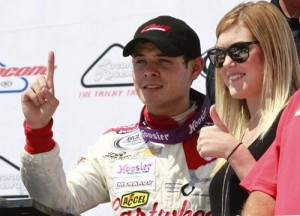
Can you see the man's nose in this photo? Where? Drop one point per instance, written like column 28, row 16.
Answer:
column 151, row 70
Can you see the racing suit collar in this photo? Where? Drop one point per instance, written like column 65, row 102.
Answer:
column 166, row 130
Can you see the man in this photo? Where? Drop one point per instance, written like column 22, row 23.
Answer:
column 149, row 168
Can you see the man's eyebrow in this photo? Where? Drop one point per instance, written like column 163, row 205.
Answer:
column 137, row 54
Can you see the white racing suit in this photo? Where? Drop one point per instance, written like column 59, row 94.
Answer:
column 138, row 176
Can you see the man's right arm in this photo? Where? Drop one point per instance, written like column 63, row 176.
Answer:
column 42, row 168
column 259, row 203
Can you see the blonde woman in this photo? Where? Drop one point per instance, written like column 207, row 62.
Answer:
column 257, row 70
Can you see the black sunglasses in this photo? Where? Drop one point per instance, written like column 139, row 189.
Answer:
column 238, row 52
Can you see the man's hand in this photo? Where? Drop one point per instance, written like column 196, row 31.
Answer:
column 38, row 101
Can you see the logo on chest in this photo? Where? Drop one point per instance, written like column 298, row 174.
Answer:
column 134, row 199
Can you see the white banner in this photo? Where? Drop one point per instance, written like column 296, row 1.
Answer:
column 92, row 79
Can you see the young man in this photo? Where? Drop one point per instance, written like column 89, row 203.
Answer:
column 149, row 168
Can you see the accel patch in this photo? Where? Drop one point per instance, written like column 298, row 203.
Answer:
column 134, row 199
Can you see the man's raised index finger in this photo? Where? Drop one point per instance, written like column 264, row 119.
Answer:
column 50, row 71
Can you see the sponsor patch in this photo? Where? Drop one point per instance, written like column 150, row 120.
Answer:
column 136, row 167
column 134, row 183
column 134, row 199
column 133, row 141
column 117, row 156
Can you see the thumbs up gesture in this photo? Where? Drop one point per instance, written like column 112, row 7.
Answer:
column 215, row 141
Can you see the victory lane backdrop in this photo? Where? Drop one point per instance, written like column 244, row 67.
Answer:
column 92, row 79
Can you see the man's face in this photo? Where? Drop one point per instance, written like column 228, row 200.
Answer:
column 162, row 82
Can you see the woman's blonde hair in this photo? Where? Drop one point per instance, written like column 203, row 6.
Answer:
column 281, row 71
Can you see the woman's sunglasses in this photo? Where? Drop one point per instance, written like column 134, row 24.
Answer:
column 238, row 52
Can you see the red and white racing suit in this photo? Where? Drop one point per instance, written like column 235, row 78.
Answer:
column 139, row 176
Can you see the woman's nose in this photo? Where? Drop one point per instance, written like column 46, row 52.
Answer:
column 227, row 61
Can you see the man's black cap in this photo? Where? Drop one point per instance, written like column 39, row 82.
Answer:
column 172, row 36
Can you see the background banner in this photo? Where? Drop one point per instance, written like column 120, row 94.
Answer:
column 92, row 79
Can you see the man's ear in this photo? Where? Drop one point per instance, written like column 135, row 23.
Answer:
column 198, row 64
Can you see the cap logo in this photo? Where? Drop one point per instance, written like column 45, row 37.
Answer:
column 151, row 27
